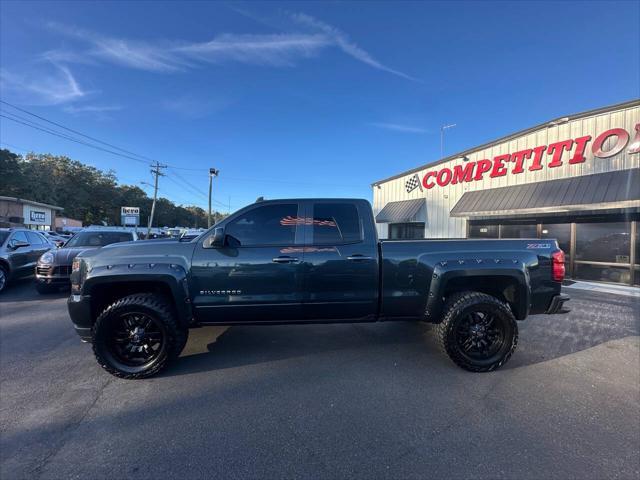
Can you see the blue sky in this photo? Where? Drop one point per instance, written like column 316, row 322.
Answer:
column 303, row 98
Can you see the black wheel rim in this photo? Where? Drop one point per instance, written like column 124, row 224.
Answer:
column 136, row 339
column 481, row 335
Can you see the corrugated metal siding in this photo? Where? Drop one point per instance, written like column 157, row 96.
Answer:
column 402, row 212
column 598, row 188
column 441, row 200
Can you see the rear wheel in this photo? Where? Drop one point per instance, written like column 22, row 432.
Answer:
column 137, row 336
column 478, row 331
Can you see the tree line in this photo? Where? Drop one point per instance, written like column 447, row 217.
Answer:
column 87, row 193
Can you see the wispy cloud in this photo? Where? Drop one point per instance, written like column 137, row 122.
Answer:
column 278, row 50
column 275, row 50
column 343, row 41
column 127, row 53
column 396, row 127
column 51, row 86
column 92, row 108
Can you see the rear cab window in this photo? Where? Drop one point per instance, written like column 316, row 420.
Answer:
column 335, row 224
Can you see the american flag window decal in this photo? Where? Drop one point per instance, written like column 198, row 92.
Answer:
column 412, row 183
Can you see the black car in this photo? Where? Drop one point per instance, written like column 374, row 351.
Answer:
column 19, row 251
column 54, row 267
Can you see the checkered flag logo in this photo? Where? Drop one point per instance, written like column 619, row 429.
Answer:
column 412, row 183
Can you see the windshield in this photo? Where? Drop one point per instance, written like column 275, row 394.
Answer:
column 98, row 239
column 3, row 237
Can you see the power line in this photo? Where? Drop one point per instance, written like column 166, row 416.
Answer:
column 77, row 132
column 67, row 137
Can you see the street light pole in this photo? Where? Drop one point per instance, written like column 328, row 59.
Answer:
column 442, row 129
column 212, row 173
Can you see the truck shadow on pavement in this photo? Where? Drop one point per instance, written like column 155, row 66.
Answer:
column 592, row 321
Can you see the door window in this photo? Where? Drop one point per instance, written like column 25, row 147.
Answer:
column 19, row 237
column 335, row 223
column 266, row 225
column 35, row 239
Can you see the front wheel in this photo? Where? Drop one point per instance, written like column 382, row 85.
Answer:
column 137, row 336
column 478, row 331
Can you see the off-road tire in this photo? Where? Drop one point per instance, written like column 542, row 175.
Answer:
column 44, row 289
column 460, row 305
column 153, row 305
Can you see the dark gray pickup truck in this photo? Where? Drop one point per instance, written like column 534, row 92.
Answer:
column 309, row 261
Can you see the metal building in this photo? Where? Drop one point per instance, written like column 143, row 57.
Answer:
column 575, row 178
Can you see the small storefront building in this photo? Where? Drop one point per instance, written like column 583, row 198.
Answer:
column 18, row 212
column 575, row 179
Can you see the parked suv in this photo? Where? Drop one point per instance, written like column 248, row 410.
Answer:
column 19, row 252
column 54, row 267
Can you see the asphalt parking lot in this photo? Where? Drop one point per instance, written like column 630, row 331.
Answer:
column 324, row 401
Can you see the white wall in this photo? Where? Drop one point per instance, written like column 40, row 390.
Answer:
column 440, row 200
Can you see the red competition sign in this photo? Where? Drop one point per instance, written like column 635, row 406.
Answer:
column 533, row 159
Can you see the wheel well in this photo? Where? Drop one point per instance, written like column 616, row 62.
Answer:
column 104, row 295
column 504, row 288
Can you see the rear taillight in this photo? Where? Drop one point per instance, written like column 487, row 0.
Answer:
column 557, row 266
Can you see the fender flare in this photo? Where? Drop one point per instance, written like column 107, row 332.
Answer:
column 444, row 272
column 170, row 275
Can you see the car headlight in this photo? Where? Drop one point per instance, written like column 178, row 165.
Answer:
column 47, row 258
column 75, row 266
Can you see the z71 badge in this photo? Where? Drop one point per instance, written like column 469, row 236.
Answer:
column 538, row 245
column 220, row 292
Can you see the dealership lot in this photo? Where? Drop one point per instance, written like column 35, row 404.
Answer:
column 320, row 401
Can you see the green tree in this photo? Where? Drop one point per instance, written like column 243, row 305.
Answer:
column 85, row 192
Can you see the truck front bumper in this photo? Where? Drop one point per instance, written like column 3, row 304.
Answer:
column 557, row 304
column 79, row 307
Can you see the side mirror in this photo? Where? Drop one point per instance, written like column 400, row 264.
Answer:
column 16, row 244
column 217, row 239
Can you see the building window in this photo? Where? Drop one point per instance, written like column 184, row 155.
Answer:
column 600, row 273
column 483, row 231
column 561, row 232
column 406, row 231
column 519, row 231
column 603, row 242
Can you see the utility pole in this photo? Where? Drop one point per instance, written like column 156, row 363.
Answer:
column 442, row 129
column 155, row 171
column 212, row 173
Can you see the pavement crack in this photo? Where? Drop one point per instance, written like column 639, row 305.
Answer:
column 67, row 431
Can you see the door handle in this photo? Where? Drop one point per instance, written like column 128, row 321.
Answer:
column 358, row 258
column 285, row 260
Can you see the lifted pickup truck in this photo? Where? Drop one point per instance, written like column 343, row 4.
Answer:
column 309, row 261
